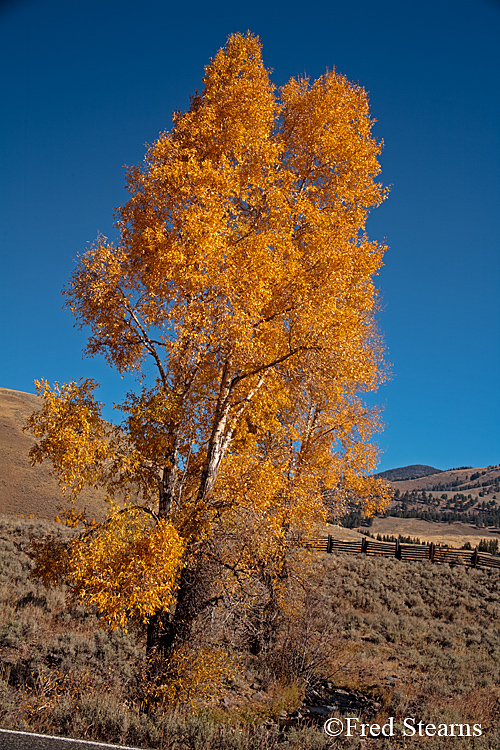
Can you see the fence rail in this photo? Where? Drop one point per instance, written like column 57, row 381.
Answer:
column 403, row 551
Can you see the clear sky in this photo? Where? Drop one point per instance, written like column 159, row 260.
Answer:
column 86, row 83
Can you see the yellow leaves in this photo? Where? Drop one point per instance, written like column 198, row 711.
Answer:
column 149, row 421
column 375, row 496
column 243, row 274
column 196, row 676
column 75, row 518
column 71, row 432
column 125, row 568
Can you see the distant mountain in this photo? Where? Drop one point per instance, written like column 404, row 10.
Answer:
column 405, row 473
column 477, row 482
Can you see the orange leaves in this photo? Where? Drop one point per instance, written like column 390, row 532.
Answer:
column 71, row 432
column 103, row 296
column 232, row 119
column 243, row 275
column 125, row 568
column 195, row 676
column 329, row 146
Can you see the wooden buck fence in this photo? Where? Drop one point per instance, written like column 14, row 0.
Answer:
column 402, row 551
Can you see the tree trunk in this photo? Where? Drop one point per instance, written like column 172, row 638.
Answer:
column 264, row 619
column 167, row 630
column 168, row 483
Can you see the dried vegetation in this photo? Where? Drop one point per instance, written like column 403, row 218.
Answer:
column 422, row 641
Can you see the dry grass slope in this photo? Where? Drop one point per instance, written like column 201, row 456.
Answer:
column 26, row 490
column 422, row 641
column 458, row 478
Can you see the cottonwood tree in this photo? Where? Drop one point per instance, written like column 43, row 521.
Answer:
column 243, row 273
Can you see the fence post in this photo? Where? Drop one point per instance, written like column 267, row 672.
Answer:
column 475, row 558
column 432, row 551
column 329, row 544
column 397, row 552
column 364, row 544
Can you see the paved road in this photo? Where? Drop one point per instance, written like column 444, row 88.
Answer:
column 28, row 741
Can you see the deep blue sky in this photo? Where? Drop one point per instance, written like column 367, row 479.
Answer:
column 86, row 83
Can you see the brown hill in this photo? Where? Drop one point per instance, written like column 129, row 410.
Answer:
column 24, row 489
column 27, row 490
column 469, row 480
column 448, row 507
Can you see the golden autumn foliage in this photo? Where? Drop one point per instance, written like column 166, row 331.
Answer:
column 195, row 676
column 72, row 433
column 244, row 275
column 110, row 566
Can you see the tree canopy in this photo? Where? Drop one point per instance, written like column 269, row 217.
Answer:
column 243, row 273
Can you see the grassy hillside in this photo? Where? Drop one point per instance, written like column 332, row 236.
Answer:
column 464, row 479
column 24, row 489
column 474, row 500
column 453, row 507
column 453, row 534
column 419, row 640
